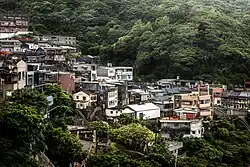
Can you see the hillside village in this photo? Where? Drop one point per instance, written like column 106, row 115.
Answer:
column 105, row 92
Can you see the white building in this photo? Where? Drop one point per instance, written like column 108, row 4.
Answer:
column 189, row 128
column 82, row 67
column 84, row 99
column 116, row 73
column 113, row 113
column 10, row 45
column 14, row 80
column 112, row 95
column 58, row 40
column 143, row 111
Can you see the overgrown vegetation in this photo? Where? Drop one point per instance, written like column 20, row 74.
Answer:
column 25, row 133
column 196, row 39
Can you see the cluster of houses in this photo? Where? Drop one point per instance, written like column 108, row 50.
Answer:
column 178, row 105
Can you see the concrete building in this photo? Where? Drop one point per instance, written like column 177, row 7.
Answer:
column 196, row 100
column 35, row 76
column 10, row 45
column 113, row 113
column 58, row 40
column 182, row 122
column 166, row 104
column 12, row 23
column 143, row 111
column 12, row 76
column 65, row 79
column 85, row 99
column 217, row 93
column 116, row 73
column 109, row 95
column 89, row 69
column 236, row 100
column 137, row 96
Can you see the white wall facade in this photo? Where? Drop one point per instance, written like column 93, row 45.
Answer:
column 84, row 100
column 113, row 98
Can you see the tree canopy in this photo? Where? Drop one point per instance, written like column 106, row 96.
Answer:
column 194, row 39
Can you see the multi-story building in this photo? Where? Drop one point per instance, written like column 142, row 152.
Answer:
column 34, row 56
column 85, row 99
column 54, row 55
column 116, row 73
column 87, row 71
column 137, row 96
column 166, row 104
column 236, row 100
column 199, row 99
column 35, row 76
column 217, row 93
column 142, row 111
column 10, row 45
column 12, row 23
column 65, row 79
column 182, row 122
column 171, row 83
column 196, row 101
column 109, row 94
column 12, row 76
column 58, row 40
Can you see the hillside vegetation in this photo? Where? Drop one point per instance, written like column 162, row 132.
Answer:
column 195, row 39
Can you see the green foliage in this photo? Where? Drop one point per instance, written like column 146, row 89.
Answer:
column 30, row 97
column 21, row 135
column 63, row 148
column 102, row 128
column 64, row 104
column 134, row 136
column 224, row 144
column 198, row 39
column 116, row 160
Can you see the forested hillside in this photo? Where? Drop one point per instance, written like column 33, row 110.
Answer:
column 195, row 39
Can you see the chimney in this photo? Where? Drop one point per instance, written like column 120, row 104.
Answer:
column 178, row 77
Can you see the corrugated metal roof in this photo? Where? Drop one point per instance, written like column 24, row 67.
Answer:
column 234, row 94
column 143, row 107
column 244, row 94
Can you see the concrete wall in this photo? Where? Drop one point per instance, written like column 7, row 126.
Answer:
column 22, row 70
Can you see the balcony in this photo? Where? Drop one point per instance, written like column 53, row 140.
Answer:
column 205, row 113
column 207, row 105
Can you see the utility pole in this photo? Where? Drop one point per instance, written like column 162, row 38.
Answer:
column 176, row 156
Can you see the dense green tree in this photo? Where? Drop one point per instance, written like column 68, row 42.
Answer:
column 195, row 39
column 30, row 97
column 63, row 148
column 62, row 110
column 134, row 136
column 21, row 135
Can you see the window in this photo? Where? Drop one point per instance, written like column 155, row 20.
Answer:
column 23, row 76
column 83, row 98
column 140, row 116
column 111, row 112
column 19, row 76
column 116, row 112
column 77, row 97
column 193, row 132
column 93, row 98
column 93, row 68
